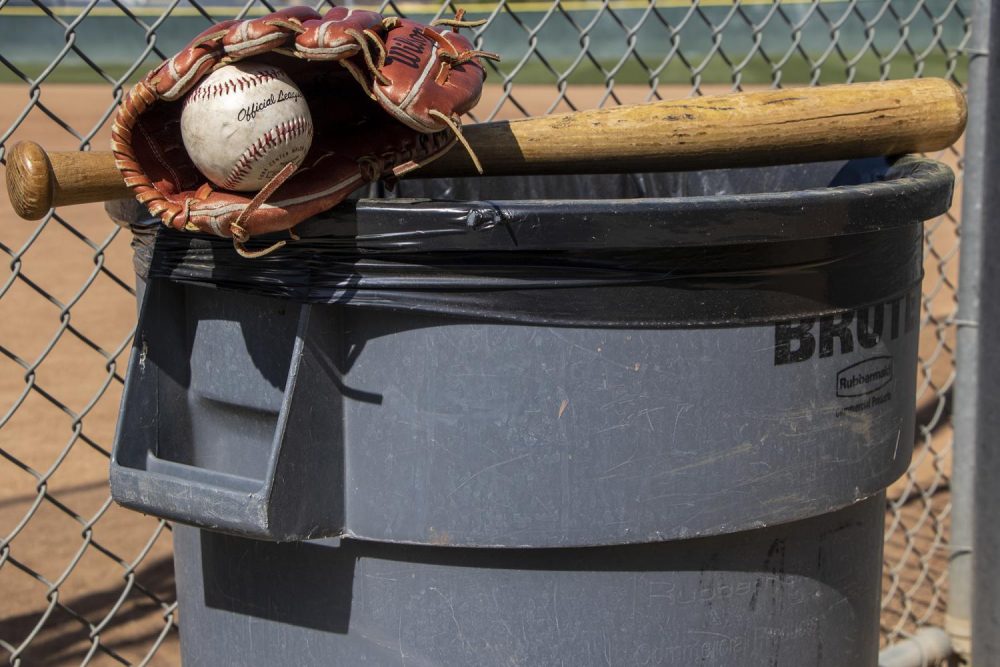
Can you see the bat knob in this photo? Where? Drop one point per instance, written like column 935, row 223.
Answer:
column 30, row 180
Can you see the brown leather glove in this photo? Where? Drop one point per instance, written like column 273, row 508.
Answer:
column 374, row 115
column 427, row 78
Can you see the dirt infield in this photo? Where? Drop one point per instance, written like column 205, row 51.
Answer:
column 41, row 434
column 59, row 263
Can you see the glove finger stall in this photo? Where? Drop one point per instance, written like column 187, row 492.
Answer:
column 337, row 35
column 256, row 36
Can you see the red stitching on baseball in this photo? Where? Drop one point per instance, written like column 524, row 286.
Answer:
column 273, row 137
column 230, row 85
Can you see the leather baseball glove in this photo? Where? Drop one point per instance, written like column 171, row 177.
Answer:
column 385, row 94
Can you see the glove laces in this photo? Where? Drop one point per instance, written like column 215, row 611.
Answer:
column 240, row 233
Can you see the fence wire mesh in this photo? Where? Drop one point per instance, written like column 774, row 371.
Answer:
column 85, row 582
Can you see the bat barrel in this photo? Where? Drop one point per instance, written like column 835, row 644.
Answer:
column 740, row 129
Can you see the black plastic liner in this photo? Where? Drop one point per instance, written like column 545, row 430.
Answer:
column 647, row 250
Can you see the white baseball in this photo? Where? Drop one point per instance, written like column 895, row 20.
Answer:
column 243, row 123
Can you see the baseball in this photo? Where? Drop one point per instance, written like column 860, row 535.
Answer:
column 243, row 123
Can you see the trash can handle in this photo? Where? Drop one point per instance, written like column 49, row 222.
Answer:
column 305, row 458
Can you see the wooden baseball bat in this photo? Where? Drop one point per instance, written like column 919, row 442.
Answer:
column 740, row 129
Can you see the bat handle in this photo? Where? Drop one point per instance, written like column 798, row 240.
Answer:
column 38, row 181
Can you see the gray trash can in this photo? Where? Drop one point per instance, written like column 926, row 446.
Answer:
column 627, row 420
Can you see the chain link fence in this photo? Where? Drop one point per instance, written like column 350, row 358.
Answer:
column 85, row 582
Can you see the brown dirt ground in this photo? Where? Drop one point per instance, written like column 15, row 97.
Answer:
column 59, row 263
column 38, row 433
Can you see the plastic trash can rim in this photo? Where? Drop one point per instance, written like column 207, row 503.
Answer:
column 913, row 189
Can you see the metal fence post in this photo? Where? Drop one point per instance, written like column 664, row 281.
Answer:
column 974, row 595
